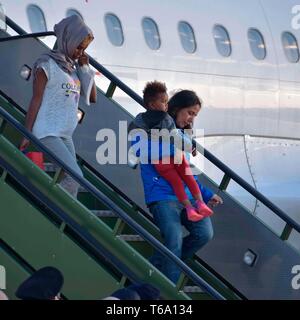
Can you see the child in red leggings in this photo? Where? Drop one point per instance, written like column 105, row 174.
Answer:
column 175, row 172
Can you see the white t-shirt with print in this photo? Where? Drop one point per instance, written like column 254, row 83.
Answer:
column 58, row 111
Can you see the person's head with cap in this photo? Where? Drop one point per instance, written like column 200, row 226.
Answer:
column 44, row 284
column 124, row 294
column 146, row 291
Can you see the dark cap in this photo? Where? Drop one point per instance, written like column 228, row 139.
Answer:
column 43, row 284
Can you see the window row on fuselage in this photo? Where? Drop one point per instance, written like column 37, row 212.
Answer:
column 150, row 29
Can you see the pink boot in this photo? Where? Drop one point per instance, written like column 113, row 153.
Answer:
column 203, row 209
column 192, row 214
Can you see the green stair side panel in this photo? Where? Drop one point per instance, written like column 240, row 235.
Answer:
column 39, row 241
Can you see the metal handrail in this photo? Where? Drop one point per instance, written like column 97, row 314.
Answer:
column 14, row 26
column 259, row 196
column 103, row 198
column 29, row 35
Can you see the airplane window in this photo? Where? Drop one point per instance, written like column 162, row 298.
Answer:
column 222, row 40
column 257, row 44
column 151, row 33
column 290, row 47
column 114, row 29
column 36, row 19
column 187, row 37
column 72, row 12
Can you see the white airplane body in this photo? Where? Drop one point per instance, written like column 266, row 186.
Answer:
column 251, row 107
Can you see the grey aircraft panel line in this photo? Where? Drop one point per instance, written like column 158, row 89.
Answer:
column 236, row 230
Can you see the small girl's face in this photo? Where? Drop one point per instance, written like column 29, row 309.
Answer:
column 78, row 52
column 160, row 103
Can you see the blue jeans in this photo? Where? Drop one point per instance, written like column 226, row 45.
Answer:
column 170, row 216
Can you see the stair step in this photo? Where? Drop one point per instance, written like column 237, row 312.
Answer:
column 192, row 289
column 49, row 167
column 81, row 189
column 105, row 213
column 130, row 237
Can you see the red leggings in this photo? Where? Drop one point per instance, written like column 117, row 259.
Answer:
column 175, row 174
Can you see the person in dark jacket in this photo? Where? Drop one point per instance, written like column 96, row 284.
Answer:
column 173, row 167
column 168, row 212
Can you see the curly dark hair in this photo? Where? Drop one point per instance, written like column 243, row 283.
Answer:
column 151, row 90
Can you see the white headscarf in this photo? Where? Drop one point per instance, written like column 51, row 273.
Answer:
column 70, row 32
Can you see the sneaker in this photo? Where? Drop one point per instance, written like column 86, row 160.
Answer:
column 203, row 209
column 192, row 214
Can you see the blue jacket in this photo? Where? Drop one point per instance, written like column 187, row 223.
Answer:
column 156, row 188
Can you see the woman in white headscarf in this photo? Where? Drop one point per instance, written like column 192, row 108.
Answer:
column 60, row 77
